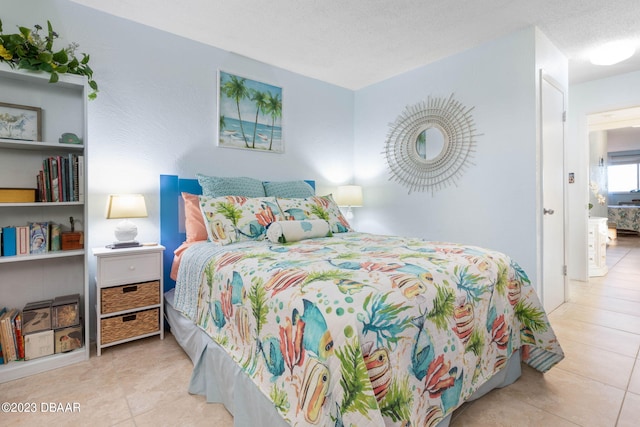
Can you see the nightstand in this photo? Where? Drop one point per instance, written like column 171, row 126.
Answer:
column 129, row 294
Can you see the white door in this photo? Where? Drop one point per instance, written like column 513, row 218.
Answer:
column 553, row 196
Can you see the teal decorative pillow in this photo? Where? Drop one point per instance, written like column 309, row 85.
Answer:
column 317, row 207
column 294, row 231
column 232, row 219
column 289, row 189
column 218, row 186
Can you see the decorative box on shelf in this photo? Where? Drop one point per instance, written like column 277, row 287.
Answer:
column 72, row 240
column 38, row 344
column 17, row 195
column 36, row 316
column 67, row 339
column 65, row 311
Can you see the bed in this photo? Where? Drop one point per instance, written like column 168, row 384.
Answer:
column 344, row 328
column 625, row 217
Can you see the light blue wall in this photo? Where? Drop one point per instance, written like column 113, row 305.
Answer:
column 156, row 114
column 156, row 111
column 494, row 202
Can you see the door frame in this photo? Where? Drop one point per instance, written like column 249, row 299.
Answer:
column 544, row 77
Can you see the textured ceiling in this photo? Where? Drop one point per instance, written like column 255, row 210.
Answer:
column 354, row 43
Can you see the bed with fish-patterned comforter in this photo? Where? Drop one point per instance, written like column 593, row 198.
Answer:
column 361, row 329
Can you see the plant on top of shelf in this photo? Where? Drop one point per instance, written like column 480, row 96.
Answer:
column 31, row 51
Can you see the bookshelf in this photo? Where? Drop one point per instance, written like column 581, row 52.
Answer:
column 37, row 277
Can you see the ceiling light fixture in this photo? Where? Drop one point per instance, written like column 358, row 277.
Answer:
column 612, row 53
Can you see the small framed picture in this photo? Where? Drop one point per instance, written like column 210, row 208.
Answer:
column 20, row 122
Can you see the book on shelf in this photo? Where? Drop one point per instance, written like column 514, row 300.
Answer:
column 39, row 237
column 9, row 350
column 55, row 188
column 80, row 180
column 54, row 237
column 8, row 241
column 17, row 327
column 2, row 312
column 22, row 240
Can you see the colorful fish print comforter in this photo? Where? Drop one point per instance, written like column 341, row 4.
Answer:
column 361, row 329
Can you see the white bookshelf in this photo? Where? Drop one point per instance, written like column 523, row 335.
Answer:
column 31, row 278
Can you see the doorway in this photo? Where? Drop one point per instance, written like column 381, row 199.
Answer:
column 552, row 105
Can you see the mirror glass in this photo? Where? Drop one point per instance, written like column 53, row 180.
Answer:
column 430, row 143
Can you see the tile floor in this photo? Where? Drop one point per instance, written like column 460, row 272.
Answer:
column 598, row 384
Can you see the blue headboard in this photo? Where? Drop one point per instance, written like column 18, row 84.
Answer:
column 172, row 232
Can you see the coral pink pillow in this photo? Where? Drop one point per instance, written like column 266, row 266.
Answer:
column 193, row 221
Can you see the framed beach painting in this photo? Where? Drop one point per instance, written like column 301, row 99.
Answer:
column 20, row 122
column 249, row 114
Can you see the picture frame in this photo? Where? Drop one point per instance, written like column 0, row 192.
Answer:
column 20, row 122
column 249, row 114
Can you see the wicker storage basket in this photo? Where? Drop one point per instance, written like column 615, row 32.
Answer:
column 129, row 325
column 126, row 297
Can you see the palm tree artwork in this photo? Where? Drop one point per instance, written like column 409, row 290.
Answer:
column 249, row 114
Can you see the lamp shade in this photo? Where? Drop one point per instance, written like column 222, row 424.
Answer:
column 349, row 195
column 126, row 206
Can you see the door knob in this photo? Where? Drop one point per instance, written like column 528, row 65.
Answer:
column 548, row 211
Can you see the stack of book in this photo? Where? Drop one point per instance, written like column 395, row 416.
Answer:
column 31, row 239
column 61, row 179
column 11, row 339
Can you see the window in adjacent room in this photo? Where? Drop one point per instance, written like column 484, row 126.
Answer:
column 624, row 177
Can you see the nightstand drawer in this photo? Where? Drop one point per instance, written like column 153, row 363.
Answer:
column 129, row 269
column 127, row 297
column 129, row 325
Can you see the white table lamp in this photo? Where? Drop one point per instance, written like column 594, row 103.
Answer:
column 126, row 206
column 349, row 196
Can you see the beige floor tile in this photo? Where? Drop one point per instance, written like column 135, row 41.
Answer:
column 634, row 382
column 572, row 397
column 597, row 364
column 630, row 414
column 612, row 304
column 620, row 342
column 500, row 410
column 186, row 411
column 619, row 321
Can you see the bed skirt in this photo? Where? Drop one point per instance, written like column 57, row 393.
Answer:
column 217, row 377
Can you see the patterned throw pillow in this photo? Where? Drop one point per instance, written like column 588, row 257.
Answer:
column 317, row 207
column 218, row 186
column 288, row 189
column 232, row 219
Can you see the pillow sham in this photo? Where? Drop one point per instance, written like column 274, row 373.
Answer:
column 218, row 186
column 288, row 189
column 294, row 231
column 231, row 219
column 193, row 221
column 317, row 207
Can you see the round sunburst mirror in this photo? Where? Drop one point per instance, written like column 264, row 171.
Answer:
column 430, row 144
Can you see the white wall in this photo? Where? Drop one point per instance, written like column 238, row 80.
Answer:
column 157, row 109
column 587, row 98
column 494, row 203
column 156, row 112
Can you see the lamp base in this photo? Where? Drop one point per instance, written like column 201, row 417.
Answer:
column 126, row 231
column 122, row 245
